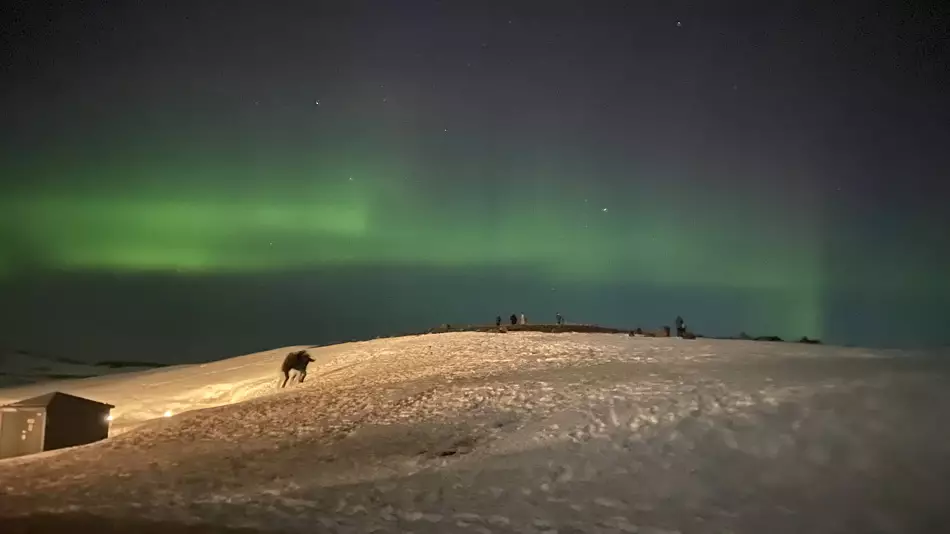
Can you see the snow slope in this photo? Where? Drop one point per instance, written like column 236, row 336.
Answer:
column 517, row 432
column 144, row 395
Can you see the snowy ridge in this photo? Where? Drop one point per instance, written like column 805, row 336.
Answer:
column 142, row 395
column 521, row 432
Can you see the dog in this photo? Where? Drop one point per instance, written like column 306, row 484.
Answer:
column 294, row 367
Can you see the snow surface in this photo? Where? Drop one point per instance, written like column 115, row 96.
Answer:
column 144, row 395
column 517, row 432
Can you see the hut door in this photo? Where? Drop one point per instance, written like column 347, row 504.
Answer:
column 21, row 432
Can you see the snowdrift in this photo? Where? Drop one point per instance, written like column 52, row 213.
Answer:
column 516, row 432
column 142, row 395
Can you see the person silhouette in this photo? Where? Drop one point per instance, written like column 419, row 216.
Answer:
column 680, row 327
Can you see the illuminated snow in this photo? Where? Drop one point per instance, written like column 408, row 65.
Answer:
column 515, row 432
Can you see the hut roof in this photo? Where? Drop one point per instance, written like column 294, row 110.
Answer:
column 45, row 400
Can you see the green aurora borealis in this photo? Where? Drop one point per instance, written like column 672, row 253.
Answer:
column 620, row 171
column 372, row 219
column 209, row 218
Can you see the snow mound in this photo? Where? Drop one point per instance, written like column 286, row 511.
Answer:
column 142, row 395
column 518, row 432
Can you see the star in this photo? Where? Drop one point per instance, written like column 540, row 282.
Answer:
column 604, row 210
column 316, row 102
column 679, row 24
column 350, row 178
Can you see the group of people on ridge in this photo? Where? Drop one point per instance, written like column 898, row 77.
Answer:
column 294, row 367
column 515, row 319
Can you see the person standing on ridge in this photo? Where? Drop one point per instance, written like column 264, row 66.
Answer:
column 680, row 327
column 523, row 319
column 498, row 320
column 558, row 318
column 514, row 319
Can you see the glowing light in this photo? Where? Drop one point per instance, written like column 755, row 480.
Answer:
column 168, row 413
column 109, row 417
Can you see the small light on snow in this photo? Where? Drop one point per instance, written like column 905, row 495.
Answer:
column 168, row 413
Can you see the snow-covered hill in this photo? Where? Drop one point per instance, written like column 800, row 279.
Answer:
column 142, row 395
column 516, row 432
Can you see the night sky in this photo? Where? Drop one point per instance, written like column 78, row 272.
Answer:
column 188, row 180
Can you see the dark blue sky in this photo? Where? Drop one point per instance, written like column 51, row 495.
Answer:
column 200, row 179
